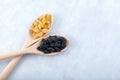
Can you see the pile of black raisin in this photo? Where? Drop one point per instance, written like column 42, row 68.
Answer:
column 52, row 44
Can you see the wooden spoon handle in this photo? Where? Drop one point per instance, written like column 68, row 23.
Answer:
column 11, row 54
column 5, row 73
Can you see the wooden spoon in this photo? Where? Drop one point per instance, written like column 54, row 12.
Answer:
column 28, row 42
column 32, row 50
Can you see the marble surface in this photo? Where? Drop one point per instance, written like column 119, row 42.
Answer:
column 92, row 26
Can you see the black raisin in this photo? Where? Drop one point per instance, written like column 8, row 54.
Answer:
column 43, row 42
column 51, row 49
column 57, row 49
column 45, row 46
column 46, row 51
column 64, row 41
column 54, row 38
column 52, row 44
column 57, row 45
column 63, row 45
column 39, row 48
column 61, row 38
column 59, row 42
column 49, row 40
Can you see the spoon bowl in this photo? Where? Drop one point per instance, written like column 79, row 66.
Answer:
column 30, row 40
column 33, row 49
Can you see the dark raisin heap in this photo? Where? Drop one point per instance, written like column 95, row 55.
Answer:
column 52, row 44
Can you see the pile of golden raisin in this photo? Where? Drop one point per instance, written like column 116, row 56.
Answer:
column 41, row 26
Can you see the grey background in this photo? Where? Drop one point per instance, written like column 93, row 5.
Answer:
column 93, row 27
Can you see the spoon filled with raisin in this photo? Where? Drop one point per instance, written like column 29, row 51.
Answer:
column 50, row 45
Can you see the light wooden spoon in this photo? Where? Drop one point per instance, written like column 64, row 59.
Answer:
column 28, row 42
column 32, row 50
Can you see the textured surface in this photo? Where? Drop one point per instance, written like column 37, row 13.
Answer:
column 91, row 25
